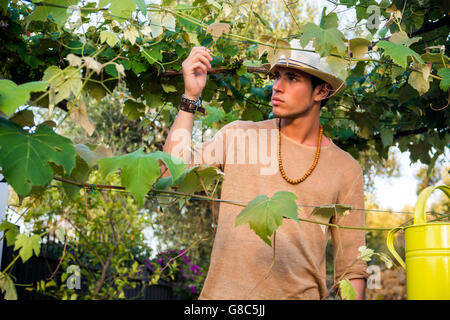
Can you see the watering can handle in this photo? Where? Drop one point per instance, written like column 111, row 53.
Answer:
column 390, row 245
column 419, row 210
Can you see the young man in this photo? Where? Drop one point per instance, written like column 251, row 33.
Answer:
column 301, row 160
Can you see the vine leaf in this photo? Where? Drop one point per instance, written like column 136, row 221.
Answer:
column 323, row 214
column 27, row 245
column 7, row 286
column 419, row 80
column 445, row 82
column 398, row 52
column 217, row 29
column 24, row 118
column 13, row 96
column 11, row 231
column 365, row 253
column 109, row 37
column 120, row 10
column 324, row 40
column 265, row 215
column 131, row 34
column 191, row 182
column 141, row 170
column 347, row 290
column 64, row 81
column 79, row 115
column 282, row 47
column 25, row 157
column 359, row 47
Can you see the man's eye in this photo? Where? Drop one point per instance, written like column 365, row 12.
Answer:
column 274, row 76
column 292, row 78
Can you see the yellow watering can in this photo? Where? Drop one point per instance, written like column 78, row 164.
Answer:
column 427, row 253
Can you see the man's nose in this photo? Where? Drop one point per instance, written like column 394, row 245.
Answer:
column 278, row 85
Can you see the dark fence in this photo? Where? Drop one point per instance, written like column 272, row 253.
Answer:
column 28, row 274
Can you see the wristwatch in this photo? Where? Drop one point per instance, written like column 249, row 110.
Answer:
column 191, row 105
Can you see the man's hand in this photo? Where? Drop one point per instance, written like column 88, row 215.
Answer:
column 195, row 71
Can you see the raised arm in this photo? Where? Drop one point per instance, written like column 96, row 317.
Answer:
column 194, row 74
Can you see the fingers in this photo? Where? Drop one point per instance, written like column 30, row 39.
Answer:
column 198, row 54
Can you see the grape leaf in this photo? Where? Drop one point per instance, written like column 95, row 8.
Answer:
column 445, row 82
column 11, row 231
column 7, row 286
column 329, row 21
column 324, row 213
column 359, row 47
column 325, row 40
column 419, row 80
column 217, row 29
column 347, row 290
column 27, row 246
column 25, row 156
column 58, row 14
column 13, row 96
column 140, row 170
column 191, row 182
column 64, row 81
column 365, row 253
column 24, row 118
column 399, row 53
column 265, row 215
column 109, row 37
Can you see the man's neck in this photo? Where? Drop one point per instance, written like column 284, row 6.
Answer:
column 303, row 130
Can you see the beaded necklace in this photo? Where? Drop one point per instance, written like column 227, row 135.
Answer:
column 316, row 159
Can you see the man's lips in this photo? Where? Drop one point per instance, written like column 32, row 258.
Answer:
column 276, row 101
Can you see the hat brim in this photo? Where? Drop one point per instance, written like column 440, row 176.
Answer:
column 337, row 84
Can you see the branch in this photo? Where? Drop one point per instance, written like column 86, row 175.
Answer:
column 171, row 73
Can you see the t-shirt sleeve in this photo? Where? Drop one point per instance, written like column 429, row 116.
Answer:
column 347, row 241
column 211, row 152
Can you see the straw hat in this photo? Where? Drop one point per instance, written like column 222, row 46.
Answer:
column 311, row 63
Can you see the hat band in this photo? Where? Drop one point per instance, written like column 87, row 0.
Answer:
column 297, row 63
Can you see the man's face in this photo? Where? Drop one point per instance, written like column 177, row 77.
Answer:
column 292, row 93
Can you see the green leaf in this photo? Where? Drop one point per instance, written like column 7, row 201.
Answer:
column 27, row 246
column 323, row 214
column 64, row 81
column 24, row 118
column 328, row 21
column 398, row 52
column 152, row 55
column 347, row 290
column 25, row 156
column 109, row 37
column 59, row 15
column 140, row 170
column 7, row 286
column 141, row 5
column 213, row 115
column 387, row 136
column 265, row 215
column 325, row 40
column 445, row 82
column 13, row 96
column 122, row 10
column 11, row 231
column 191, row 182
column 365, row 253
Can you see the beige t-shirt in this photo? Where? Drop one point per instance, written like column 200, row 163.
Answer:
column 240, row 260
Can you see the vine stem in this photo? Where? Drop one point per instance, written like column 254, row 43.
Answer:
column 100, row 186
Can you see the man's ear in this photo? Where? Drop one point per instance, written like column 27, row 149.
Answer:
column 323, row 91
